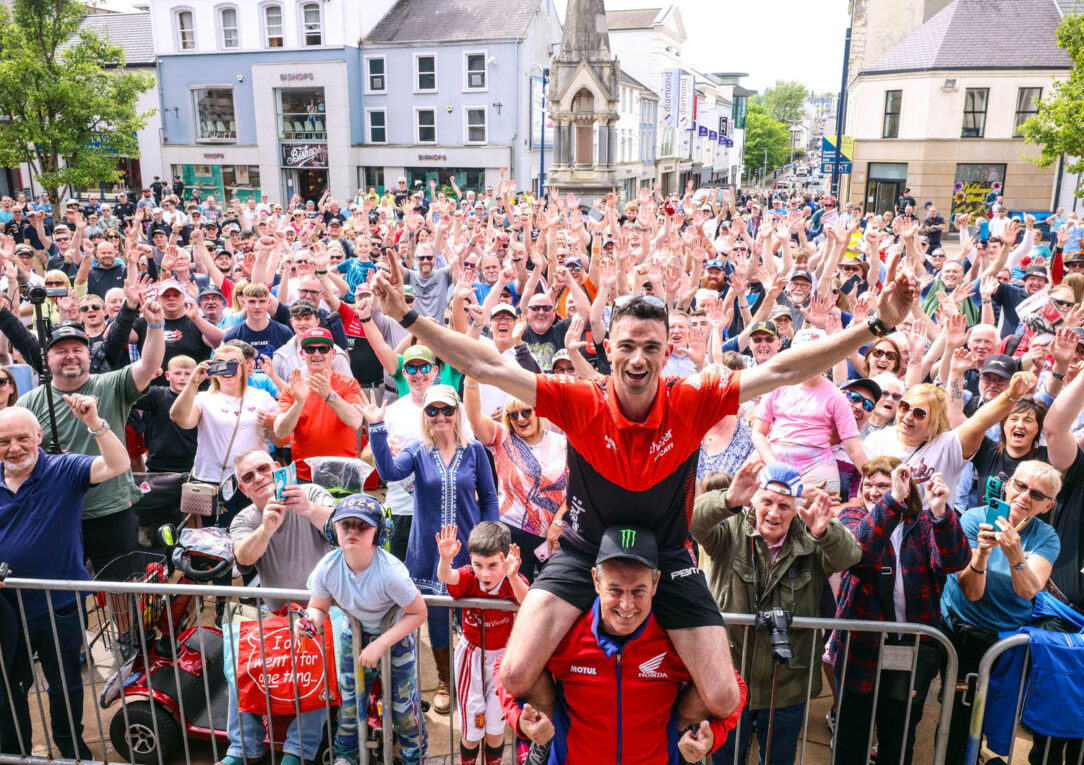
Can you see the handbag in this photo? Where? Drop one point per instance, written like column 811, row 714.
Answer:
column 200, row 497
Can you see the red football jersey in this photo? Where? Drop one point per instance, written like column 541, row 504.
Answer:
column 498, row 623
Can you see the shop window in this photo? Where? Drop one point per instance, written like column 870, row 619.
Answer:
column 227, row 22
column 311, row 24
column 272, row 26
column 425, row 128
column 302, row 114
column 214, row 115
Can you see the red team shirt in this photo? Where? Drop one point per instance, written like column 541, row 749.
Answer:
column 633, row 472
column 498, row 623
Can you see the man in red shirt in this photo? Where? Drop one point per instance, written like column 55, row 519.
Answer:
column 325, row 424
column 632, row 444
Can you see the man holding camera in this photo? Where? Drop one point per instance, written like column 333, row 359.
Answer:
column 771, row 560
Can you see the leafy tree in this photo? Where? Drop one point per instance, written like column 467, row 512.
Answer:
column 1057, row 128
column 70, row 101
column 763, row 132
column 784, row 101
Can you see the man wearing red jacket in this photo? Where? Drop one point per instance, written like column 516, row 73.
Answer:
column 617, row 673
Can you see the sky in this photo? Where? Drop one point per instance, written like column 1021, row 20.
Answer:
column 803, row 41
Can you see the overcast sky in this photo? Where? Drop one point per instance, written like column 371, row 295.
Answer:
column 804, row 40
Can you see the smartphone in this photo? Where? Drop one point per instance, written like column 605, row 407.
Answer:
column 220, row 368
column 284, row 477
column 850, row 284
column 542, row 552
column 998, row 508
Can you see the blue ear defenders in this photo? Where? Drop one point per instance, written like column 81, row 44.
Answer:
column 364, row 508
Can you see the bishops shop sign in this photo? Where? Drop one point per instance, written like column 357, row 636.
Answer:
column 297, row 155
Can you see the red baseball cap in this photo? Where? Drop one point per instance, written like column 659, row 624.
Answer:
column 316, row 335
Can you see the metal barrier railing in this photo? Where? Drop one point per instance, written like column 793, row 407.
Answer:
column 179, row 707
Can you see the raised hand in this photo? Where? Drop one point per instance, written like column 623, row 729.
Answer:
column 745, row 483
column 1064, row 346
column 85, row 408
column 955, row 328
column 153, row 312
column 512, row 561
column 901, row 482
column 448, row 544
column 817, row 312
column 299, row 386
column 937, row 494
column 962, row 360
column 369, row 409
column 1021, row 384
column 816, row 512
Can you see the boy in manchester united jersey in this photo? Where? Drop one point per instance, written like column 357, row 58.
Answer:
column 493, row 573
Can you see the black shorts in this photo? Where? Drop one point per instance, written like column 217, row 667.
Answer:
column 682, row 601
column 109, row 537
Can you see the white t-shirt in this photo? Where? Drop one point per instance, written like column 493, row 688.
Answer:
column 369, row 595
column 492, row 396
column 218, row 416
column 943, row 454
column 403, row 419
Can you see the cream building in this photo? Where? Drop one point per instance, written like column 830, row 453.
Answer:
column 940, row 111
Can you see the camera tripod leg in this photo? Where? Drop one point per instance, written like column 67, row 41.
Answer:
column 771, row 717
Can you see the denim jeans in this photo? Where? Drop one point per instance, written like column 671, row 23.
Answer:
column 247, row 732
column 786, row 728
column 61, row 670
column 438, row 627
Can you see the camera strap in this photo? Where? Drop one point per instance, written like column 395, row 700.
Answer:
column 756, row 584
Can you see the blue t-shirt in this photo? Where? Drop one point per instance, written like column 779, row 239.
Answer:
column 354, row 272
column 999, row 609
column 368, row 595
column 266, row 341
column 41, row 527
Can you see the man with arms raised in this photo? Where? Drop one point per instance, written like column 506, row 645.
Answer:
column 633, row 440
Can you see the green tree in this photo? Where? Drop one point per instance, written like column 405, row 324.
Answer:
column 1057, row 128
column 70, row 101
column 763, row 132
column 784, row 101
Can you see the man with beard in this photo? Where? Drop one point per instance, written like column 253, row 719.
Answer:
column 797, row 296
column 40, row 497
column 107, row 274
column 951, row 277
column 545, row 335
column 431, row 284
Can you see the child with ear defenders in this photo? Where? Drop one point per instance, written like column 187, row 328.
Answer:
column 366, row 582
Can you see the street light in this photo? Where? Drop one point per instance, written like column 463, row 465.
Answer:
column 542, row 160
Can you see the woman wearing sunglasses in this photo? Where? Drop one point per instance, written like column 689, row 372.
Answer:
column 532, row 473
column 9, row 391
column 924, row 438
column 881, row 356
column 453, row 486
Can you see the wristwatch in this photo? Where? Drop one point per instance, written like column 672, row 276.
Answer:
column 558, row 523
column 1022, row 565
column 876, row 326
column 331, row 397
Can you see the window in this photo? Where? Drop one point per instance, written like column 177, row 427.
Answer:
column 272, row 26
column 310, row 24
column 377, row 81
column 186, row 32
column 425, row 126
column 975, row 100
column 227, row 23
column 476, row 124
column 1027, row 105
column 372, row 178
column 425, row 71
column 214, row 115
column 302, row 114
column 476, row 71
column 378, row 128
column 893, row 101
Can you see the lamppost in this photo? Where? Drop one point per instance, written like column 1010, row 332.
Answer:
column 841, row 107
column 542, row 160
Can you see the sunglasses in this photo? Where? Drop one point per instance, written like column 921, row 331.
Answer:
column 409, row 300
column 425, row 258
column 86, row 308
column 652, row 300
column 54, row 284
column 433, row 411
column 322, row 349
column 882, row 354
column 917, row 412
column 575, row 268
column 857, row 398
column 1065, row 305
column 4, row 382
column 264, row 469
column 525, row 414
column 540, row 308
column 413, row 369
column 1034, row 494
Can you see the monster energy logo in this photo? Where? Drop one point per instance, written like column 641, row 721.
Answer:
column 628, row 537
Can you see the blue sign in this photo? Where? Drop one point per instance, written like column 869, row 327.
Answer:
column 713, row 135
column 703, row 130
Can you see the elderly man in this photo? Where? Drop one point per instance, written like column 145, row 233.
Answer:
column 109, row 523
column 40, row 497
column 319, row 408
column 303, row 317
column 755, row 555
column 545, row 334
column 619, row 629
column 212, row 304
column 284, row 540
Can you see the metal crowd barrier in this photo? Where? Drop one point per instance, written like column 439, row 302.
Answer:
column 181, row 708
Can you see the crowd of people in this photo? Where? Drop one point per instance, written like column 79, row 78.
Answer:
column 628, row 416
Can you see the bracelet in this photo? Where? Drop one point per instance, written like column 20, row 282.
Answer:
column 977, row 571
column 1056, row 376
column 100, row 431
column 321, row 273
column 876, row 326
column 156, row 325
column 367, row 318
column 410, row 317
column 471, row 387
column 987, row 301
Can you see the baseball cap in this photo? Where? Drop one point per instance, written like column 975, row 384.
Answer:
column 211, row 290
column 408, row 291
column 631, row 542
column 801, row 273
column 573, row 259
column 780, row 477
column 779, row 310
column 1037, row 271
column 715, row 263
column 316, row 335
column 170, row 284
column 1000, row 365
column 361, row 506
column 68, row 332
column 561, row 355
column 303, row 307
column 335, row 222
column 157, row 211
column 764, row 326
column 441, row 394
column 503, row 308
column 866, row 384
column 72, row 202
column 24, row 249
column 808, row 335
column 418, row 353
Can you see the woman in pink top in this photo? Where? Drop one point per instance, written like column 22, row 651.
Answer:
column 532, row 473
column 796, row 424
